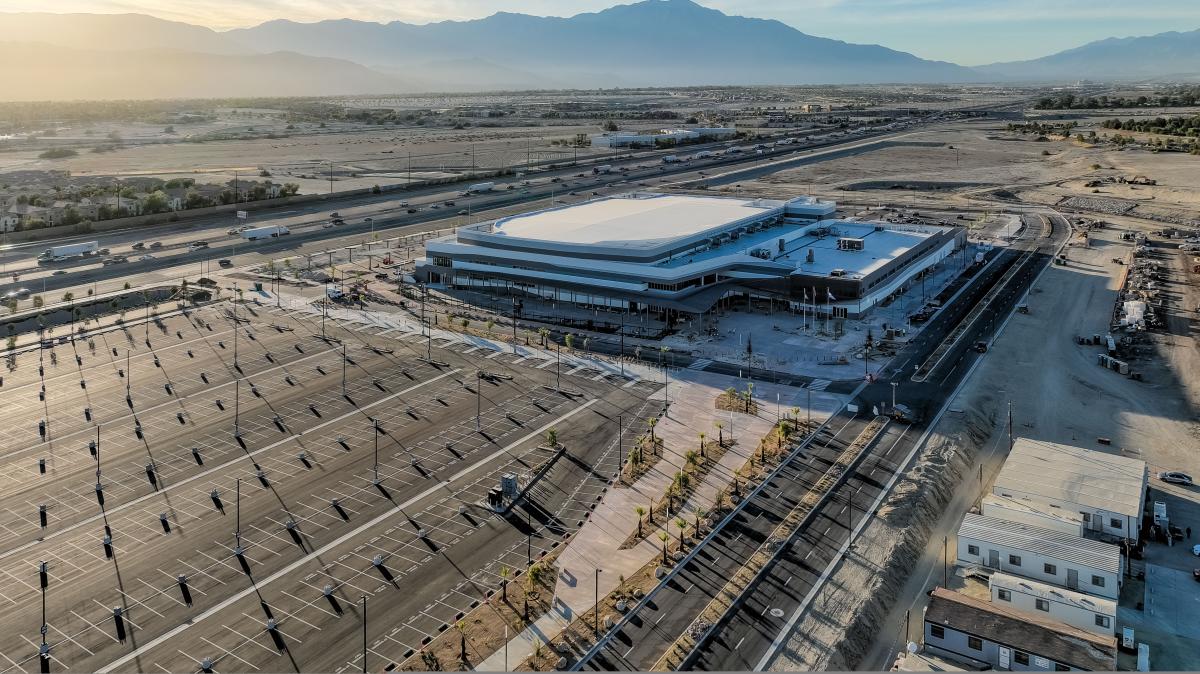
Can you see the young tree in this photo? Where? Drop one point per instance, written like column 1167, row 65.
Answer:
column 640, row 512
column 663, row 536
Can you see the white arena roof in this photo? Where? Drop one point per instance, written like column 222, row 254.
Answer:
column 630, row 222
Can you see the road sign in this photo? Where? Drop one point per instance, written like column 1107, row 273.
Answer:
column 241, row 215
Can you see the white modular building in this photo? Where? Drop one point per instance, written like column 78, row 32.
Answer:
column 1107, row 491
column 1027, row 513
column 1060, row 559
column 1095, row 614
column 682, row 253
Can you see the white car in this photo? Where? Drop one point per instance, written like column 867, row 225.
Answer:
column 1175, row 477
column 327, row 225
column 145, row 258
column 1196, row 549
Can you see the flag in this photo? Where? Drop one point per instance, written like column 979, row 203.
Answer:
column 829, row 295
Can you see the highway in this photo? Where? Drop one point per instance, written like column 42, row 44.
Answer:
column 750, row 633
column 381, row 216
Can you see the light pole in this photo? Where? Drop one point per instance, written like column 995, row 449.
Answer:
column 894, row 384
column 364, row 665
column 375, row 424
column 597, row 609
column 478, row 397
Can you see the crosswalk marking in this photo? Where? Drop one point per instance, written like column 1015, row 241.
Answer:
column 819, row 384
column 700, row 364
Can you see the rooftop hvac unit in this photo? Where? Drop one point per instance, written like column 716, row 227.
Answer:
column 850, row 244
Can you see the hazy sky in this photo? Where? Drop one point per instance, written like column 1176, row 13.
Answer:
column 969, row 32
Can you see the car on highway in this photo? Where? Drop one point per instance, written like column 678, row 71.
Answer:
column 1175, row 477
column 233, row 231
column 198, row 245
column 225, row 262
column 436, row 206
column 412, row 210
column 59, row 272
column 138, row 246
column 156, row 245
column 335, row 214
column 18, row 294
column 463, row 212
column 146, row 258
column 327, row 225
column 339, row 222
column 402, row 204
column 448, row 202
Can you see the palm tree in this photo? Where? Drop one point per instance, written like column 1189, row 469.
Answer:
column 640, row 512
column 700, row 513
column 749, row 395
column 652, row 422
column 461, row 626
column 505, row 572
column 702, row 436
column 663, row 536
column 569, row 341
column 682, row 524
column 731, row 395
column 552, row 438
column 720, row 433
column 543, row 334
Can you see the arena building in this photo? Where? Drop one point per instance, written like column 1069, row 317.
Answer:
column 681, row 254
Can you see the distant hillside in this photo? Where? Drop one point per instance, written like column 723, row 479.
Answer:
column 115, row 32
column 660, row 42
column 1170, row 55
column 46, row 72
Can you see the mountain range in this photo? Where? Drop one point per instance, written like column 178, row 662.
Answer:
column 648, row 43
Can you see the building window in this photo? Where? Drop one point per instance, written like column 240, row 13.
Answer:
column 1004, row 595
column 1014, row 560
column 1021, row 658
column 1061, row 668
column 1102, row 621
column 1043, row 605
column 972, row 549
column 441, row 261
column 974, row 643
column 1098, row 581
column 1087, row 517
column 1114, row 523
column 1050, row 569
column 937, row 631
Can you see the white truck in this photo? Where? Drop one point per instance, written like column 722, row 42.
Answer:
column 702, row 154
column 479, row 188
column 333, row 292
column 270, row 231
column 68, row 251
column 671, row 159
column 607, row 168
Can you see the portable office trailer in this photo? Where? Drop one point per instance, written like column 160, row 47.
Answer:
column 1048, row 556
column 1094, row 614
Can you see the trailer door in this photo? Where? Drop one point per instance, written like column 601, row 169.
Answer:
column 1072, row 579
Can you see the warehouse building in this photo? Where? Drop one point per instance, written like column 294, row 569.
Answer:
column 1094, row 614
column 987, row 636
column 1107, row 491
column 1060, row 559
column 679, row 254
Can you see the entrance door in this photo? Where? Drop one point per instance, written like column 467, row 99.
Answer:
column 1004, row 657
column 1072, row 579
column 994, row 559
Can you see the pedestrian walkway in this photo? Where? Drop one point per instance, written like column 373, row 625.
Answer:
column 595, row 546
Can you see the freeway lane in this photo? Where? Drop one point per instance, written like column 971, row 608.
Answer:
column 389, row 219
column 745, row 633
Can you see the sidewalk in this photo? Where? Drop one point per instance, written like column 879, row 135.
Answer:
column 692, row 409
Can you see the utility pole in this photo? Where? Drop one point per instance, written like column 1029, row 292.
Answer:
column 237, row 407
column 343, row 369
column 364, row 665
column 596, row 611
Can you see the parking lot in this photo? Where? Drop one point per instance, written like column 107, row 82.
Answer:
column 238, row 474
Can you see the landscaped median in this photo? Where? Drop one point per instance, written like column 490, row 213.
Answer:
column 758, row 562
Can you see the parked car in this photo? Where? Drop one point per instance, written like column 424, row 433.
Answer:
column 1175, row 477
